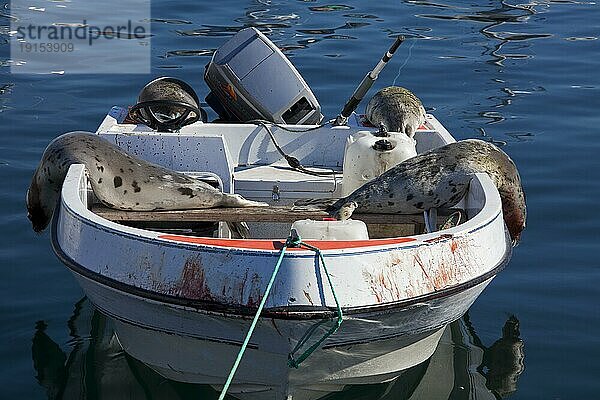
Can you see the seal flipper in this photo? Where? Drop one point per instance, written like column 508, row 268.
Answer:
column 239, row 230
column 235, row 200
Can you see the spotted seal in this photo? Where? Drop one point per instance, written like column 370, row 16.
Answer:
column 439, row 178
column 119, row 180
column 396, row 108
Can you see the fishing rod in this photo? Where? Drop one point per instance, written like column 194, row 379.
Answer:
column 366, row 84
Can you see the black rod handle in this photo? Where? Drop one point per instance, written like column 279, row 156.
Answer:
column 387, row 56
column 397, row 43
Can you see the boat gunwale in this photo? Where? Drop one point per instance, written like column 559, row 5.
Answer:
column 71, row 201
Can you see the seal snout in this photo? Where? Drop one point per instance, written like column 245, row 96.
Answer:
column 35, row 212
column 39, row 219
column 515, row 226
column 345, row 211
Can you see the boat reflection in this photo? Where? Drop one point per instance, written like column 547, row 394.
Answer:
column 97, row 368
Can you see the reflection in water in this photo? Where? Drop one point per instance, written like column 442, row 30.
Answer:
column 503, row 361
column 504, row 13
column 97, row 368
column 49, row 362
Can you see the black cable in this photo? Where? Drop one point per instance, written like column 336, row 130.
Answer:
column 293, row 162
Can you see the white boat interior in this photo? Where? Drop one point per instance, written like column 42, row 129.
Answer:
column 242, row 159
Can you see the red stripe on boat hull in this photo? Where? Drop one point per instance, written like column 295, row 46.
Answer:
column 278, row 244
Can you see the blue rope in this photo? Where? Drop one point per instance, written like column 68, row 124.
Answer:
column 293, row 240
column 295, row 362
column 290, row 242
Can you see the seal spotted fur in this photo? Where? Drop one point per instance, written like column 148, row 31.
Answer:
column 119, row 180
column 439, row 178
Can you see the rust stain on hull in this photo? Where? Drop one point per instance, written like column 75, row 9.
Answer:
column 445, row 261
column 227, row 288
column 192, row 284
column 453, row 246
column 255, row 296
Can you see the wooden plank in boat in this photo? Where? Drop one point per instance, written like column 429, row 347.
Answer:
column 246, row 214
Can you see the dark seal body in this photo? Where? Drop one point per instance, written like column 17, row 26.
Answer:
column 439, row 178
column 398, row 109
column 118, row 179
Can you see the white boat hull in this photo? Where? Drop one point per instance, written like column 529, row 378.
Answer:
column 183, row 304
column 153, row 332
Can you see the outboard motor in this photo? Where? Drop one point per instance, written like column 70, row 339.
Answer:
column 251, row 79
column 167, row 104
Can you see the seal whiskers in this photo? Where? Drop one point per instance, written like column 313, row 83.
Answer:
column 119, row 180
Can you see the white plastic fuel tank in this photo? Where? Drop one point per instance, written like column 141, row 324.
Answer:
column 331, row 230
column 369, row 155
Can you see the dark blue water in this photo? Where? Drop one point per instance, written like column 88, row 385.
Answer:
column 526, row 76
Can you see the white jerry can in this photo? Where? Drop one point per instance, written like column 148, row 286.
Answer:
column 369, row 155
column 349, row 229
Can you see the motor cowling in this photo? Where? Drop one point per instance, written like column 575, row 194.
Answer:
column 250, row 78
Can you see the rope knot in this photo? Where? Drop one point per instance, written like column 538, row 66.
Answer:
column 294, row 240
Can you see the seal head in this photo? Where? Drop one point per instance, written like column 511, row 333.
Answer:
column 396, row 108
column 36, row 212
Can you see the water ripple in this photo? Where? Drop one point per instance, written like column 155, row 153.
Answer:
column 430, row 4
column 512, row 36
column 332, row 31
column 8, row 17
column 189, row 53
column 342, row 37
column 221, row 31
column 353, row 25
column 316, row 31
column 362, row 16
column 331, row 7
column 291, row 47
column 6, row 88
column 587, row 38
column 521, row 136
column 483, row 17
column 408, row 35
column 306, row 42
column 168, row 21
